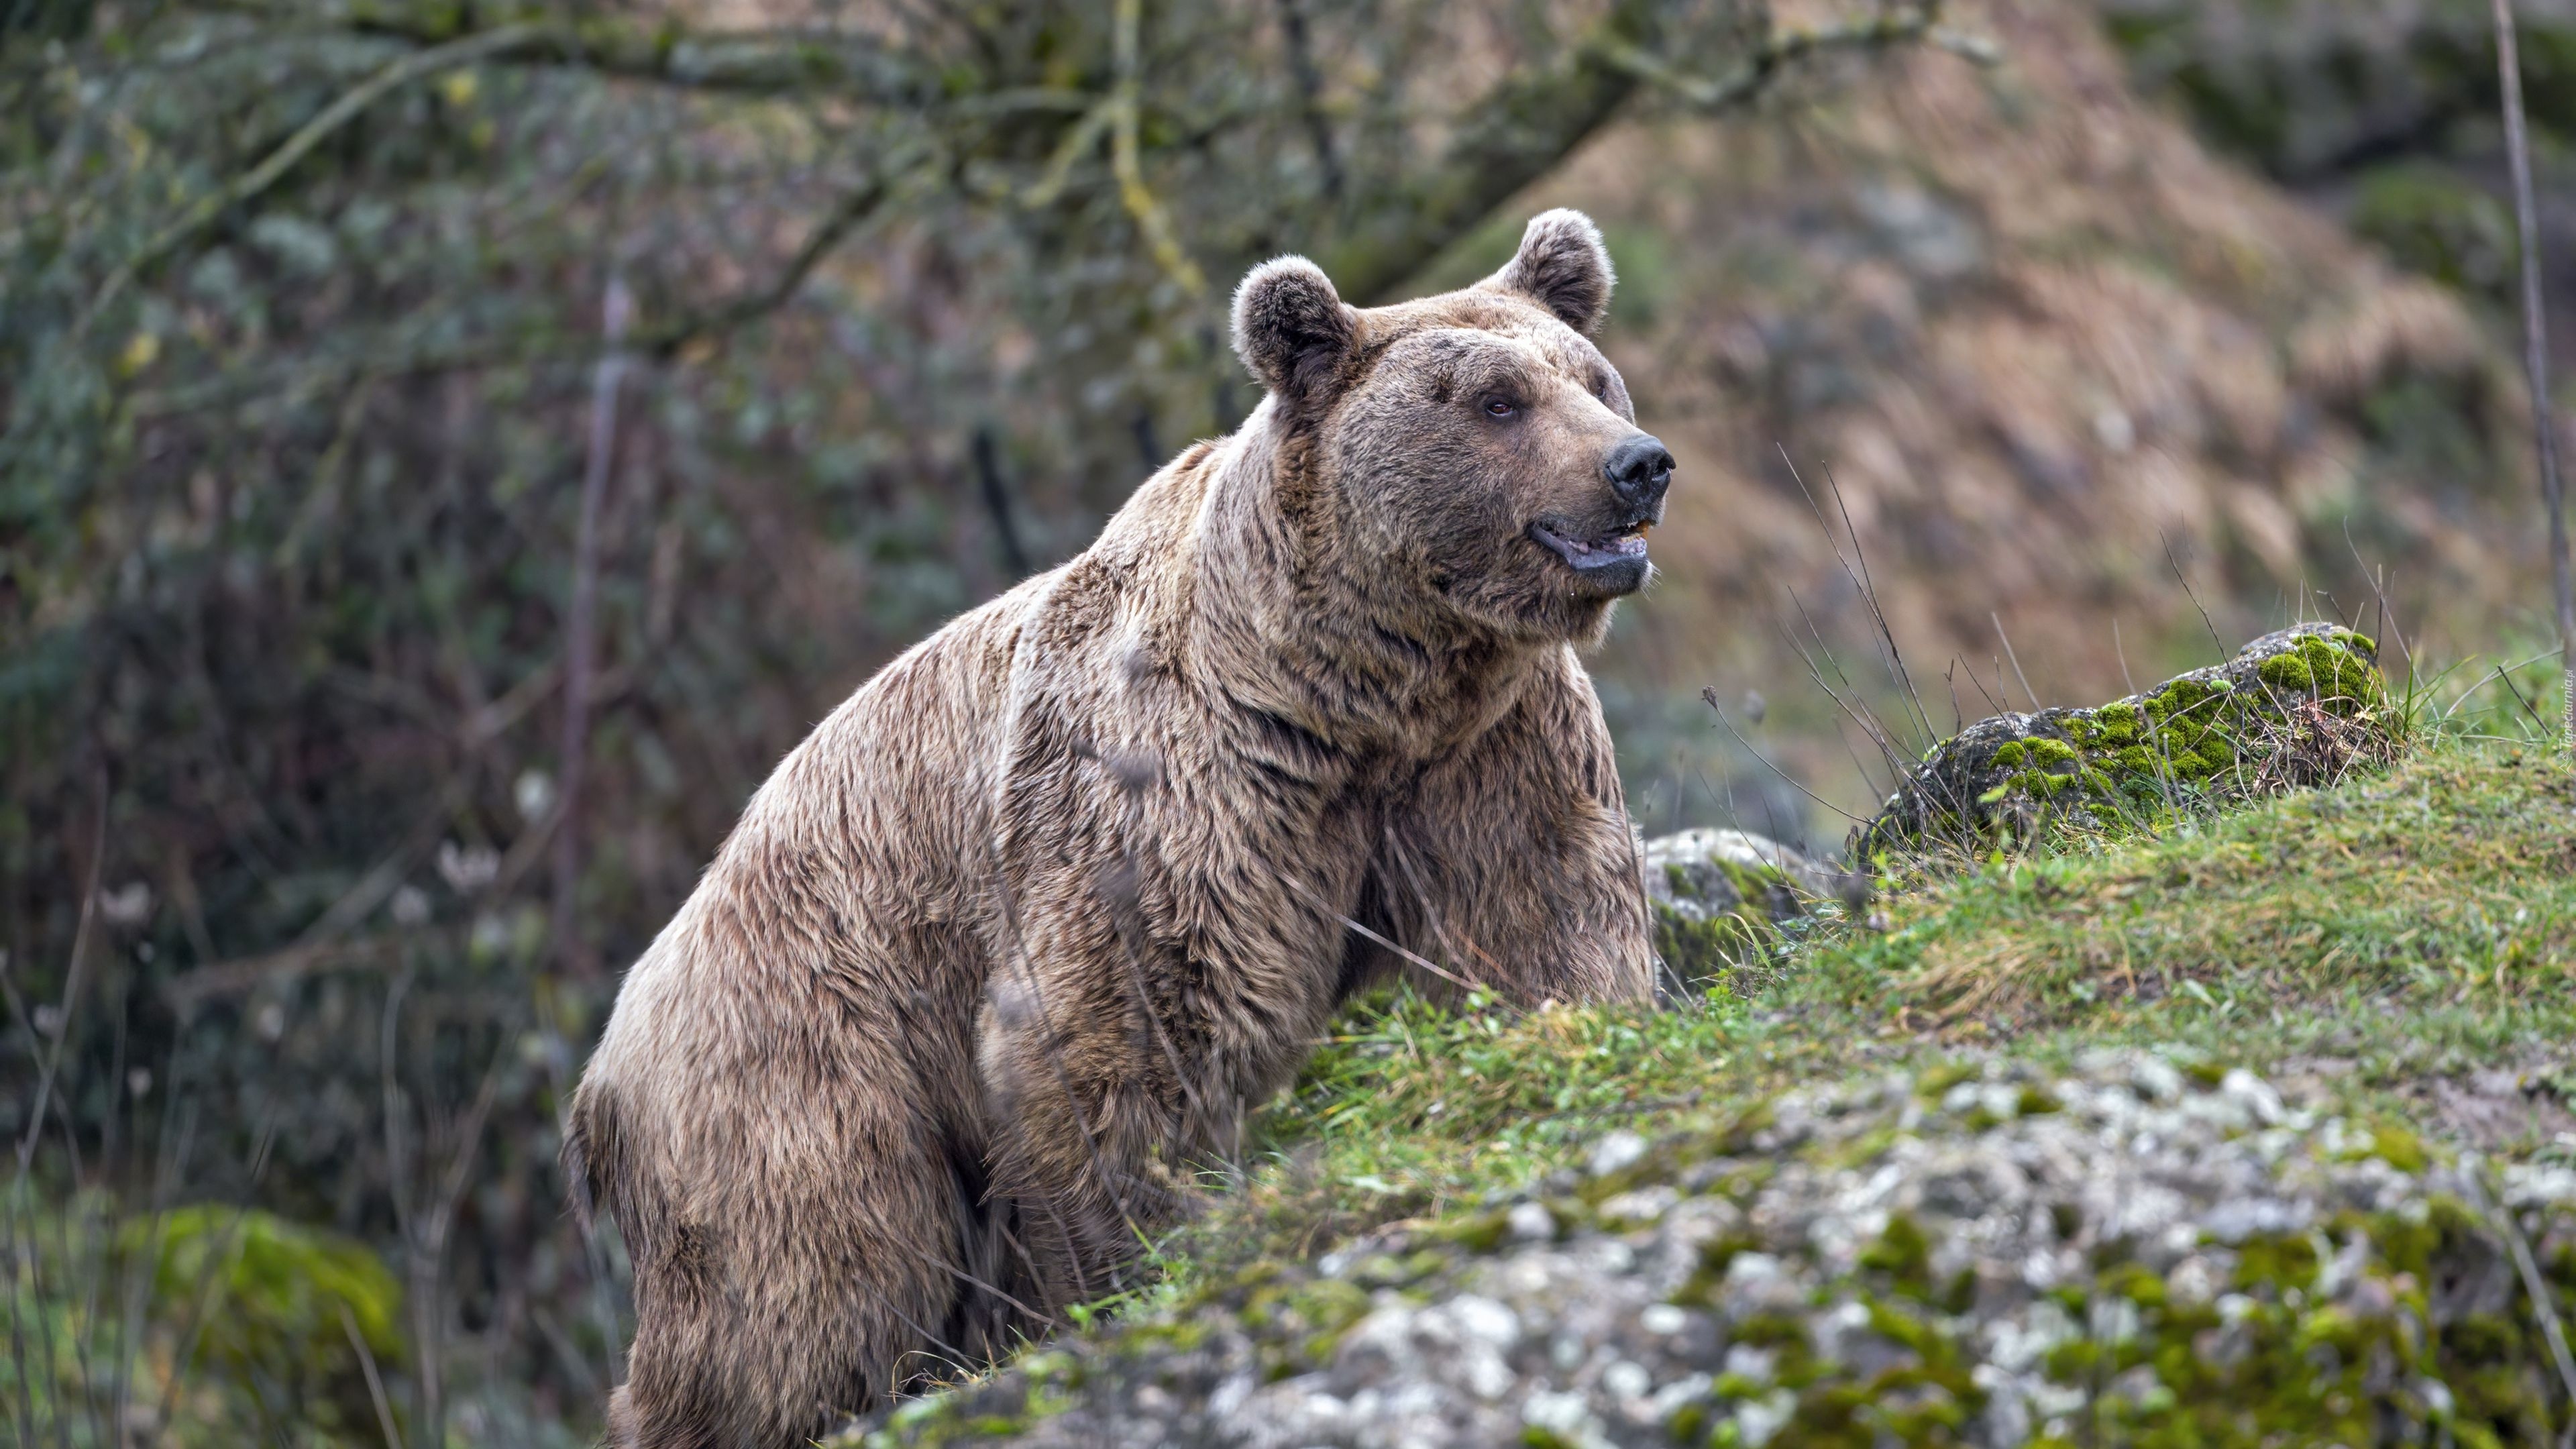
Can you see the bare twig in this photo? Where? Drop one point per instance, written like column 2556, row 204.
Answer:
column 1710, row 696
column 375, row 1380
column 2388, row 624
column 1861, row 579
column 1782, row 48
column 616, row 311
column 1404, row 862
column 201, row 1297
column 2205, row 621
column 830, row 232
column 296, row 147
column 71, row 989
column 659, row 48
column 997, row 501
column 2027, row 692
column 426, row 1403
column 2535, row 356
column 2506, row 678
column 1139, row 199
column 1425, row 962
column 2546, row 1312
column 1310, row 95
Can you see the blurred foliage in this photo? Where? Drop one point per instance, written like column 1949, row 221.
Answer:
column 2385, row 109
column 193, row 1327
column 300, row 307
column 2436, row 223
column 2309, row 87
column 284, row 1309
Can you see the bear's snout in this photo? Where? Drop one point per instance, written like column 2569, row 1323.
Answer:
column 1640, row 470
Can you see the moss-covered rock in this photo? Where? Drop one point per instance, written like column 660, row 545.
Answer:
column 1719, row 899
column 2298, row 707
column 2133, row 1249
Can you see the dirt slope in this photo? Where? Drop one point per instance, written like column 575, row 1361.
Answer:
column 2035, row 331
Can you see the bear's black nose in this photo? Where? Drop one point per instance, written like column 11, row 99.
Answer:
column 1639, row 471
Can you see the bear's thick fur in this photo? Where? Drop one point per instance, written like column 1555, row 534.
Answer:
column 1012, row 941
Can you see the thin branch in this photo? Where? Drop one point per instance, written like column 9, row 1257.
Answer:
column 1425, row 962
column 1130, row 170
column 71, row 989
column 2535, row 356
column 1784, row 48
column 1709, row 694
column 2379, row 591
column 375, row 1380
column 2541, row 1308
column 1310, row 95
column 579, row 642
column 997, row 501
column 2027, row 692
column 2205, row 620
column 296, row 147
column 787, row 61
column 836, row 226
column 1862, row 580
column 1525, row 124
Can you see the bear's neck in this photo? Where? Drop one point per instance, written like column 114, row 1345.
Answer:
column 1284, row 625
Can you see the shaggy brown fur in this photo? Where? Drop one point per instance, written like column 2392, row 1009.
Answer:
column 1013, row 939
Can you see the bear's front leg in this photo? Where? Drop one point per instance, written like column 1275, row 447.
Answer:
column 1119, row 1050
column 1082, row 1130
column 1513, row 864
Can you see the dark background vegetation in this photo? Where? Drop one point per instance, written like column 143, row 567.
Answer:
column 2182, row 305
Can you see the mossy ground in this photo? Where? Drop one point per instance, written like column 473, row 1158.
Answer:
column 2411, row 926
column 2416, row 923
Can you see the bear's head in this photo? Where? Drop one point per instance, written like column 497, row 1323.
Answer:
column 1473, row 456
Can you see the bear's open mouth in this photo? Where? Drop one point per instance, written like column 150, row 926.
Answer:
column 1628, row 543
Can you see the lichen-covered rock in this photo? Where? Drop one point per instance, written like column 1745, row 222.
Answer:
column 2131, row 1251
column 1720, row 896
column 2298, row 707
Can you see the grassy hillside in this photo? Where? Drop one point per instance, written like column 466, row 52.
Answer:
column 2401, row 931
column 2395, row 958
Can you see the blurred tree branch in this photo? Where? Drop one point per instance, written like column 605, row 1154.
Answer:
column 1390, row 221
column 1522, row 126
column 448, row 56
column 666, row 339
column 524, row 347
column 1532, row 120
column 748, row 62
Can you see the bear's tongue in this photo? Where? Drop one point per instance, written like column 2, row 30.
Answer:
column 1589, row 554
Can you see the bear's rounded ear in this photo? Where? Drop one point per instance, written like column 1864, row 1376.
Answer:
column 1563, row 266
column 1291, row 328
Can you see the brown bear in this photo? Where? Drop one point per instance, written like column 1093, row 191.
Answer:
column 1003, row 951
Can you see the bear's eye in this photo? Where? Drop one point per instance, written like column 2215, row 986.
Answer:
column 1500, row 407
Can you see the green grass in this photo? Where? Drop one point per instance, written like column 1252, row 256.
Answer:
column 2411, row 924
column 2452, row 876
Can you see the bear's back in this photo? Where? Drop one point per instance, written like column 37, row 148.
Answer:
column 860, row 872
